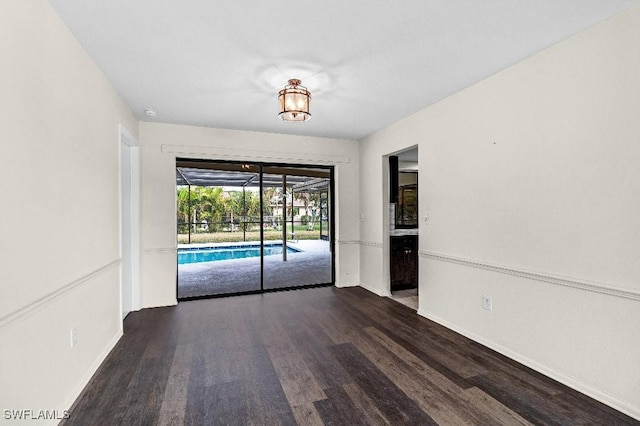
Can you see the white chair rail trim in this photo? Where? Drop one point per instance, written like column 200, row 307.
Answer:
column 625, row 293
column 48, row 298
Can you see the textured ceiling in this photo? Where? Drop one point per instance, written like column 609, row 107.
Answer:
column 367, row 63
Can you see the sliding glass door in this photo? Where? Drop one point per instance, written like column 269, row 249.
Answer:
column 245, row 228
column 218, row 231
column 305, row 258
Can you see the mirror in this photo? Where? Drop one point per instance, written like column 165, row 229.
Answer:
column 407, row 207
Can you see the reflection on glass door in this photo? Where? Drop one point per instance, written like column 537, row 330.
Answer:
column 246, row 228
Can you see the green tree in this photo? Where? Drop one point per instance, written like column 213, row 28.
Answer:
column 209, row 206
column 245, row 206
column 197, row 204
column 182, row 209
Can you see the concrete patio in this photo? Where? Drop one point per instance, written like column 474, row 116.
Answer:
column 312, row 265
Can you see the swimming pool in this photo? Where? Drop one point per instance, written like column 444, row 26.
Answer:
column 212, row 254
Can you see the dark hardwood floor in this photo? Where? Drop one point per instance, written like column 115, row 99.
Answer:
column 316, row 356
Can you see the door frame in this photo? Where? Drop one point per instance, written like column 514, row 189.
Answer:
column 262, row 165
column 129, row 221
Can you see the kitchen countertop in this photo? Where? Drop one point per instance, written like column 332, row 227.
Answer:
column 403, row 232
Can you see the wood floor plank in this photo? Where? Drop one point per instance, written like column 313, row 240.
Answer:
column 442, row 351
column 314, row 347
column 306, row 414
column 418, row 367
column 496, row 362
column 427, row 354
column 392, row 402
column 144, row 393
column 264, row 398
column 338, row 408
column 174, row 401
column 312, row 357
column 338, row 327
column 298, row 382
column 229, row 403
column 267, row 394
column 528, row 405
column 431, row 391
column 196, row 402
column 592, row 412
column 360, row 399
column 493, row 409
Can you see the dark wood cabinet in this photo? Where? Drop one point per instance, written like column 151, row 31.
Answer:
column 404, row 262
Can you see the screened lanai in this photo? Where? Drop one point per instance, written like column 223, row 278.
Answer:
column 252, row 227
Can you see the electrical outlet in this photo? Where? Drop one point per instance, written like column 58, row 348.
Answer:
column 486, row 302
column 74, row 336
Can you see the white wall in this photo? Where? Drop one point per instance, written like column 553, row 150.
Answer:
column 162, row 143
column 59, row 245
column 534, row 169
column 531, row 183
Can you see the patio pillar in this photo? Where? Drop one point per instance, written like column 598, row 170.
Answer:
column 189, row 215
column 284, row 218
column 292, row 213
column 321, row 214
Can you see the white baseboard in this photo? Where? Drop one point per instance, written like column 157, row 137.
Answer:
column 343, row 285
column 92, row 370
column 597, row 394
column 381, row 293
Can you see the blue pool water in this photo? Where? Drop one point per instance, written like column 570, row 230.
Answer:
column 211, row 254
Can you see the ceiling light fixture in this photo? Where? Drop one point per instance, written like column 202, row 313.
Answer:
column 150, row 112
column 294, row 102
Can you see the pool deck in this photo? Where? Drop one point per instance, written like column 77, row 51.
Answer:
column 312, row 265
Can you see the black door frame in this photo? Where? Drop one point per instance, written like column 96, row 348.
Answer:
column 261, row 165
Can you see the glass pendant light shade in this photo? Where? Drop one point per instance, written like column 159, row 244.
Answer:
column 294, row 102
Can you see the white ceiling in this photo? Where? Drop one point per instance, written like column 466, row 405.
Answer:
column 367, row 63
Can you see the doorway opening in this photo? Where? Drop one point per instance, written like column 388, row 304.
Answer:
column 129, row 223
column 252, row 227
column 403, row 227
